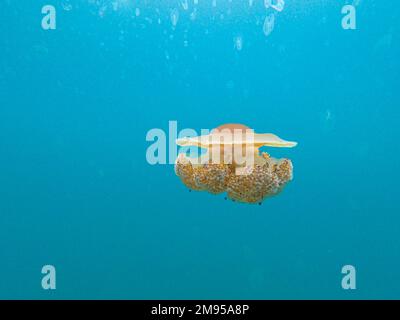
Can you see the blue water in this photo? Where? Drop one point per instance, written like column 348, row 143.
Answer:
column 76, row 191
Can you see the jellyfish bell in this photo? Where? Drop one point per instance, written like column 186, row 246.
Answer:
column 231, row 134
column 235, row 143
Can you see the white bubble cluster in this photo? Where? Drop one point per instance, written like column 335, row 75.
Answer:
column 169, row 16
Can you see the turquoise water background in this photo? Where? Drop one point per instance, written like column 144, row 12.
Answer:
column 77, row 192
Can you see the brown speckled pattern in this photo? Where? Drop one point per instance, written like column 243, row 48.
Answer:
column 265, row 178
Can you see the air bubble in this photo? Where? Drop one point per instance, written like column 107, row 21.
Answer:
column 238, row 43
column 185, row 4
column 66, row 5
column 278, row 5
column 269, row 24
column 174, row 17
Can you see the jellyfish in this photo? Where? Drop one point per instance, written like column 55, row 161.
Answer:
column 234, row 164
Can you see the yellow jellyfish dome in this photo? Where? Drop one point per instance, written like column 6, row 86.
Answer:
column 233, row 164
